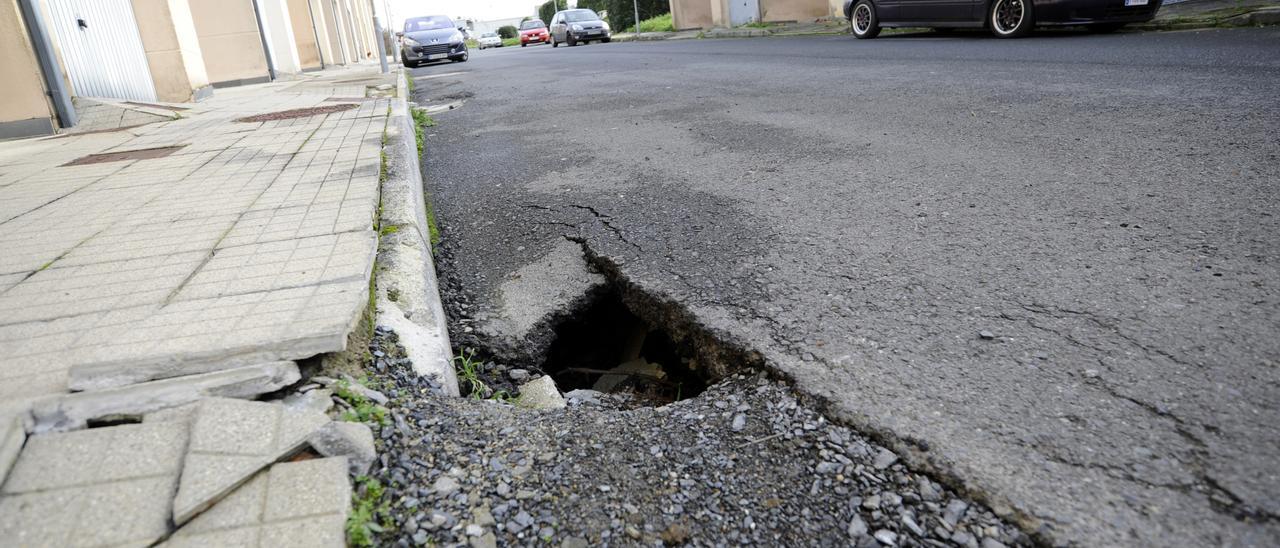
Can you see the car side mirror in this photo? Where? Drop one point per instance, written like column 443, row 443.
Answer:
column 399, row 35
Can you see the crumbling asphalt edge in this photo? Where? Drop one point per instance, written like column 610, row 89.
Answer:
column 407, row 292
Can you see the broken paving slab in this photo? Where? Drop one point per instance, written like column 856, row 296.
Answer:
column 132, row 402
column 231, row 440
column 353, row 440
column 301, row 503
column 102, row 486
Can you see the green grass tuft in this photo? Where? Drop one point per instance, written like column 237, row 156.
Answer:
column 661, row 23
column 362, row 410
column 468, row 369
column 369, row 515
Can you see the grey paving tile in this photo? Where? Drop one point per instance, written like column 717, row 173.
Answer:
column 97, row 487
column 291, row 504
column 231, row 440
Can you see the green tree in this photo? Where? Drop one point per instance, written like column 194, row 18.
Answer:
column 547, row 10
column 622, row 13
column 593, row 5
column 508, row 31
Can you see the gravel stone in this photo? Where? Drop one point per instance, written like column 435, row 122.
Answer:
column 691, row 472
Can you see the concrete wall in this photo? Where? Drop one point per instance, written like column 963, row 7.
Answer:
column 338, row 54
column 23, row 110
column 794, row 10
column 304, row 36
column 277, row 26
column 691, row 14
column 173, row 49
column 362, row 21
column 229, row 40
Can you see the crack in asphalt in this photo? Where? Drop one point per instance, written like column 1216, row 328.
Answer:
column 1221, row 498
column 604, row 220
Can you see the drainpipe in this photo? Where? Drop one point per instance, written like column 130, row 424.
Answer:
column 48, row 64
column 315, row 32
column 262, row 33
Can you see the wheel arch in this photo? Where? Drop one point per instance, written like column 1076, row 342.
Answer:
column 849, row 11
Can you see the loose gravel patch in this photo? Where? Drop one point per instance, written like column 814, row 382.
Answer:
column 744, row 463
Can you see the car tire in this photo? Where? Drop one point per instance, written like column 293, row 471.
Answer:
column 554, row 43
column 607, row 40
column 571, row 41
column 522, row 44
column 1011, row 18
column 863, row 21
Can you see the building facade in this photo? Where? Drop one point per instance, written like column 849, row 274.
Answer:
column 705, row 14
column 163, row 50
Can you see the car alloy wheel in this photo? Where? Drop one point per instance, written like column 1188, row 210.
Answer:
column 1011, row 18
column 863, row 20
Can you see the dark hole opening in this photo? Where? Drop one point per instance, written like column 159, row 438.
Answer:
column 607, row 348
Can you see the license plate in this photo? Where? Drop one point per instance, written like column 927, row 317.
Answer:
column 1128, row 3
column 435, row 56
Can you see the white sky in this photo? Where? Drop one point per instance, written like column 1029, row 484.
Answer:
column 480, row 10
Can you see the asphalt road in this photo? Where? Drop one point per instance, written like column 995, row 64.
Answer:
column 1105, row 208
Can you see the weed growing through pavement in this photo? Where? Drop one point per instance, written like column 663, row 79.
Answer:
column 421, row 120
column 369, row 513
column 362, row 410
column 468, row 369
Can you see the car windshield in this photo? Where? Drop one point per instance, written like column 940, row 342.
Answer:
column 531, row 24
column 488, row 35
column 433, row 22
column 578, row 16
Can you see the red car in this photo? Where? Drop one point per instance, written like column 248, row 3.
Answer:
column 533, row 31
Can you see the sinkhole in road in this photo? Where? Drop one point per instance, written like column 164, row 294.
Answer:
column 624, row 341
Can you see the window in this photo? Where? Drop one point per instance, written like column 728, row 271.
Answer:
column 434, row 22
column 578, row 16
column 532, row 24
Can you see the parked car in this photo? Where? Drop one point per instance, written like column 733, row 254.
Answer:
column 490, row 40
column 533, row 31
column 431, row 38
column 574, row 26
column 1004, row 18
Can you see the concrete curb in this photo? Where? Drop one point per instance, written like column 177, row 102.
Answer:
column 1256, row 18
column 408, row 294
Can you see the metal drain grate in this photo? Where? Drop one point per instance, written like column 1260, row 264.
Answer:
column 139, row 154
column 296, row 113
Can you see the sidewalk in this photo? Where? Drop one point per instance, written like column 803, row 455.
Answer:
column 1196, row 14
column 165, row 263
column 825, row 25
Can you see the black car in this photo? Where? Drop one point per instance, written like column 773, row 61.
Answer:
column 431, row 38
column 574, row 26
column 1005, row 18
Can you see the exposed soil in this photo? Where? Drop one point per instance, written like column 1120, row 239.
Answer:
column 139, row 154
column 296, row 113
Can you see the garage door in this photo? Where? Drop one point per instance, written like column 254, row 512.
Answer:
column 101, row 48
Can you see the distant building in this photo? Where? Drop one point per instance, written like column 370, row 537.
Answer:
column 482, row 27
column 168, row 50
